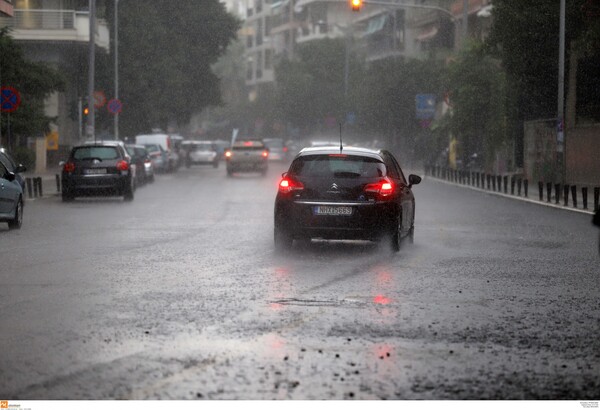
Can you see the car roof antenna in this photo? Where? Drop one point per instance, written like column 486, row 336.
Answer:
column 341, row 147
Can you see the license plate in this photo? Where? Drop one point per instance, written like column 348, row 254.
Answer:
column 332, row 210
column 95, row 171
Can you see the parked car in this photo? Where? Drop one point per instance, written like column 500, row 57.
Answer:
column 354, row 193
column 247, row 156
column 11, row 198
column 167, row 143
column 100, row 168
column 12, row 166
column 277, row 149
column 200, row 152
column 143, row 163
column 158, row 157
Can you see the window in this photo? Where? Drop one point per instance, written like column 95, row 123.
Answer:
column 345, row 166
column 103, row 153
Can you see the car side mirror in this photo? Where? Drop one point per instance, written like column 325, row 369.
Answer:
column 10, row 176
column 414, row 180
column 61, row 164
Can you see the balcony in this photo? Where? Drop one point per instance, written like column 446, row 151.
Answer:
column 54, row 25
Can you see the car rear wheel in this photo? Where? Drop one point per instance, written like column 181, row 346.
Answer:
column 18, row 219
column 128, row 194
column 283, row 240
column 395, row 237
column 67, row 196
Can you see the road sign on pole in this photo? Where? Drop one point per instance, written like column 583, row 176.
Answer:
column 114, row 106
column 99, row 99
column 425, row 106
column 11, row 99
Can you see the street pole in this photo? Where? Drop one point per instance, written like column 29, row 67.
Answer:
column 90, row 128
column 117, row 65
column 560, row 136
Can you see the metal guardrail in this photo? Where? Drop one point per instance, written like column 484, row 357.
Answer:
column 41, row 19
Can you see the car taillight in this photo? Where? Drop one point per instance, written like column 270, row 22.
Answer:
column 285, row 149
column 287, row 185
column 69, row 167
column 383, row 188
column 228, row 154
column 122, row 165
column 265, row 154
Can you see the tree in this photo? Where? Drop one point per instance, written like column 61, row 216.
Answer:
column 165, row 55
column 477, row 84
column 35, row 82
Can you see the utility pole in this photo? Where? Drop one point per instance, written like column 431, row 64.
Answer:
column 560, row 126
column 117, row 66
column 90, row 128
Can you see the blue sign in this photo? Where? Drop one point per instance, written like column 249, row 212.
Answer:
column 425, row 106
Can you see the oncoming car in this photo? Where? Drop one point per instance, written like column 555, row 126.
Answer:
column 353, row 193
column 101, row 168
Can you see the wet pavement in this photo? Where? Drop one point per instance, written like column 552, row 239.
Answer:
column 180, row 295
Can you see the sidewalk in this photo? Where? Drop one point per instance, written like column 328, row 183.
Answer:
column 549, row 197
column 46, row 179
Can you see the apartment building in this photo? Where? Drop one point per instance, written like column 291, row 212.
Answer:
column 57, row 32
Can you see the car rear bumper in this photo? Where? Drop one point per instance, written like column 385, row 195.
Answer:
column 90, row 184
column 367, row 221
column 247, row 166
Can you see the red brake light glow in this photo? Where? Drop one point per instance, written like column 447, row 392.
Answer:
column 248, row 143
column 383, row 188
column 265, row 154
column 287, row 185
column 69, row 167
column 122, row 165
column 228, row 154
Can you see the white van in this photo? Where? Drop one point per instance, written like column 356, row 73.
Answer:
column 167, row 144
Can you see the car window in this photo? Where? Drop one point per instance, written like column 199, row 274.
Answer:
column 7, row 162
column 3, row 170
column 104, row 153
column 349, row 166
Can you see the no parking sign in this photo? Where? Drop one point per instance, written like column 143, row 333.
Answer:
column 10, row 99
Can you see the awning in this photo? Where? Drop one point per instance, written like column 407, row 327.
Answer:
column 427, row 34
column 375, row 24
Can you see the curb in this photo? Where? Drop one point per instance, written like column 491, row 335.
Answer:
column 519, row 198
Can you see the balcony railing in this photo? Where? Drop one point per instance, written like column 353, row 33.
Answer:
column 41, row 19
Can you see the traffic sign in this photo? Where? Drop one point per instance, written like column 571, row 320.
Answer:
column 99, row 99
column 425, row 106
column 11, row 99
column 114, row 106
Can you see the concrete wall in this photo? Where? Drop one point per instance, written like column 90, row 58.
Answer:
column 583, row 155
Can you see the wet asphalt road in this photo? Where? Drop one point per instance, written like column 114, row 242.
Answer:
column 180, row 295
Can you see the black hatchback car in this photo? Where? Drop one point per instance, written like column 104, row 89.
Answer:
column 99, row 168
column 353, row 193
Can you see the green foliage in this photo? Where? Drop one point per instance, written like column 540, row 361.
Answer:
column 476, row 85
column 34, row 81
column 25, row 156
column 165, row 56
column 312, row 87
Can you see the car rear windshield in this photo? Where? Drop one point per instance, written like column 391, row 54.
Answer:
column 248, row 148
column 339, row 166
column 103, row 153
column 203, row 147
column 152, row 147
column 274, row 144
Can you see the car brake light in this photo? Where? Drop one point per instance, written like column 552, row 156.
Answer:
column 228, row 154
column 287, row 185
column 69, row 167
column 383, row 188
column 122, row 165
column 265, row 154
column 285, row 149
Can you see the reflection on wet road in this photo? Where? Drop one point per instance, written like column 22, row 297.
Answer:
column 181, row 295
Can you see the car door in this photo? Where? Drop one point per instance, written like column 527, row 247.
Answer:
column 405, row 197
column 9, row 192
